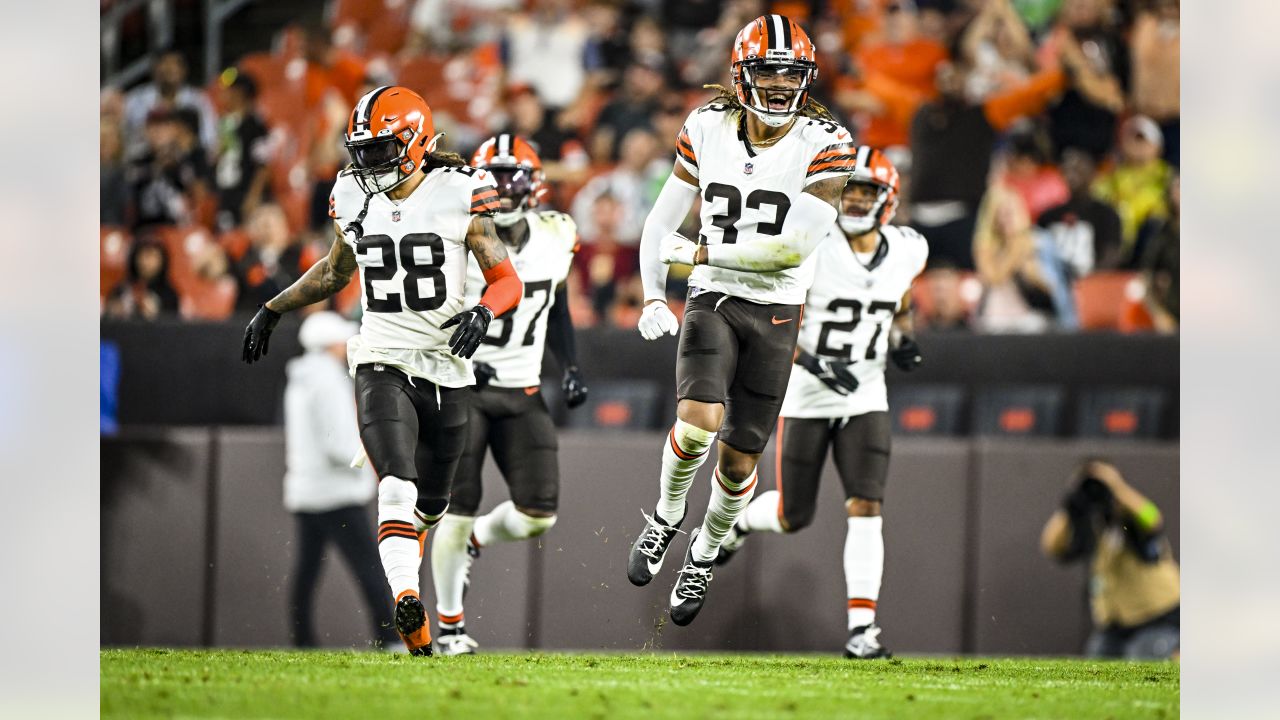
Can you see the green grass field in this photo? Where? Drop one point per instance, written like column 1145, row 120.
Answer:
column 260, row 684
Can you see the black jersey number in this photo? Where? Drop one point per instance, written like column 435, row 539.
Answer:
column 728, row 220
column 845, row 352
column 506, row 323
column 418, row 267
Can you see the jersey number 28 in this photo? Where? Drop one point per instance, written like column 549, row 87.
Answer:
column 416, row 270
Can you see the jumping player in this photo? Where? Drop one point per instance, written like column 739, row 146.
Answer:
column 407, row 215
column 857, row 313
column 769, row 163
column 508, row 414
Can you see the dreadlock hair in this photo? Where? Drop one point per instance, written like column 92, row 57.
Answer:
column 811, row 108
column 442, row 158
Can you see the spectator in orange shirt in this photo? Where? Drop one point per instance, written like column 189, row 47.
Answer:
column 1031, row 175
column 897, row 76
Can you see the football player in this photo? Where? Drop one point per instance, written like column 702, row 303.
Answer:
column 769, row 163
column 858, row 312
column 508, row 414
column 407, row 215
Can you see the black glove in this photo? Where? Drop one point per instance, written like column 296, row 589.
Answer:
column 484, row 374
column 833, row 373
column 575, row 389
column 907, row 355
column 472, row 326
column 257, row 336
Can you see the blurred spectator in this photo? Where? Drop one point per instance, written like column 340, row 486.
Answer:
column 1139, row 183
column 1093, row 56
column 1037, row 14
column 241, row 171
column 563, row 157
column 448, row 25
column 168, row 179
column 945, row 308
column 1030, row 174
column 897, row 75
column 328, row 498
column 545, row 48
column 633, row 108
column 634, row 183
column 604, row 261
column 707, row 57
column 330, row 69
column 211, row 292
column 609, row 46
column 1133, row 578
column 1160, row 264
column 998, row 48
column 1085, row 230
column 145, row 292
column 168, row 90
column 113, row 190
column 952, row 140
column 1156, row 51
column 272, row 261
column 1016, row 290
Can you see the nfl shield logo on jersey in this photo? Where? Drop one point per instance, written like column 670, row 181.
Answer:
column 746, row 169
column 395, row 216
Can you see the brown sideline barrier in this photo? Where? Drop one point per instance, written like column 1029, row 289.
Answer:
column 962, row 523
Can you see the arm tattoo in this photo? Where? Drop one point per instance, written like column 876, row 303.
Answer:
column 482, row 239
column 322, row 280
column 829, row 190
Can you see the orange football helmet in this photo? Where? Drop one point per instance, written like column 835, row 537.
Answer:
column 389, row 136
column 516, row 170
column 773, row 48
column 871, row 168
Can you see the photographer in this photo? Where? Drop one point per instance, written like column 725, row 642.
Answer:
column 1133, row 578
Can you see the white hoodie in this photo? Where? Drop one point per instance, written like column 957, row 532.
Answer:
column 322, row 437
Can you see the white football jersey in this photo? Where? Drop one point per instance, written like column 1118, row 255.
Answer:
column 515, row 340
column 848, row 315
column 413, row 269
column 747, row 192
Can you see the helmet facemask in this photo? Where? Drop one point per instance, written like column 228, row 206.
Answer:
column 378, row 163
column 774, row 90
column 870, row 217
column 515, row 192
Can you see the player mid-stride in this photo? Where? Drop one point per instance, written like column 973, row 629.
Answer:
column 770, row 165
column 857, row 313
column 508, row 414
column 407, row 215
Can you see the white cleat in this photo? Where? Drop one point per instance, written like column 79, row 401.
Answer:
column 456, row 641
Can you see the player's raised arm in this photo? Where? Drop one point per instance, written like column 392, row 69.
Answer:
column 668, row 212
column 807, row 223
column 322, row 280
column 504, row 289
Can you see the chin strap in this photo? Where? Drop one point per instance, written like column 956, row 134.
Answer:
column 356, row 227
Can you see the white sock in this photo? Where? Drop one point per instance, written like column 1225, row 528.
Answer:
column 863, row 568
column 399, row 542
column 449, row 565
column 506, row 523
column 682, row 454
column 728, row 500
column 762, row 513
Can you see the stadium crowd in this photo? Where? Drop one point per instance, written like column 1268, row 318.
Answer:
column 1038, row 142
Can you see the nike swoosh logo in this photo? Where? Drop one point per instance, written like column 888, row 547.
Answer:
column 842, row 136
column 654, row 567
column 776, row 321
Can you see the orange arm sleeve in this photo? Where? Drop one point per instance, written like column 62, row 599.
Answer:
column 504, row 289
column 1026, row 99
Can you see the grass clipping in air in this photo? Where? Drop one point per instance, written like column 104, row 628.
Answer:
column 271, row 684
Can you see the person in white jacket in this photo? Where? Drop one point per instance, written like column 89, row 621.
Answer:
column 329, row 499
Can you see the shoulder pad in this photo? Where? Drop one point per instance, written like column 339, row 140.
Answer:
column 825, row 132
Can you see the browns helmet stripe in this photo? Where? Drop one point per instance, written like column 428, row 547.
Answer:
column 864, row 156
column 364, row 109
column 504, row 145
column 780, row 32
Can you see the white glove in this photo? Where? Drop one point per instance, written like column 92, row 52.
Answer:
column 657, row 320
column 677, row 249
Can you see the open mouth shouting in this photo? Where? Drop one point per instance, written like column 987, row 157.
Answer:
column 778, row 100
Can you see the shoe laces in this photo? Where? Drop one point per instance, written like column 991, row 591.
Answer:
column 693, row 582
column 871, row 636
column 654, row 537
column 463, row 639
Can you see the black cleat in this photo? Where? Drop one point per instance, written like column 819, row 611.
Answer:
column 691, row 586
column 864, row 644
column 647, row 552
column 411, row 623
column 733, row 542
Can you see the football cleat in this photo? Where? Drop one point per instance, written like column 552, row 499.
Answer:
column 864, row 644
column 690, row 590
column 647, row 552
column 456, row 641
column 411, row 623
column 733, row 542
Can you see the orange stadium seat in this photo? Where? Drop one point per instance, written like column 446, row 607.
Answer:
column 206, row 299
column 1101, row 299
column 113, row 254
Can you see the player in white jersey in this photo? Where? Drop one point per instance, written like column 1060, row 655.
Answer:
column 407, row 216
column 770, row 164
column 508, row 414
column 857, row 314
